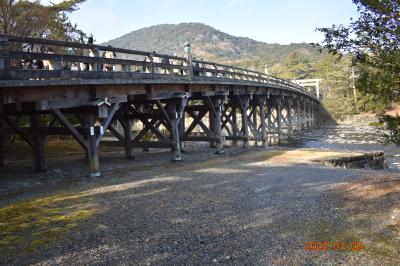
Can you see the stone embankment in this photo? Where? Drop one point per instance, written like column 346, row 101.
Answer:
column 358, row 120
column 375, row 161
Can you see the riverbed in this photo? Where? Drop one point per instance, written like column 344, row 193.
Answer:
column 348, row 138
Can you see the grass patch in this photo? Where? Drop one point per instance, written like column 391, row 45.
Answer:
column 28, row 225
column 376, row 124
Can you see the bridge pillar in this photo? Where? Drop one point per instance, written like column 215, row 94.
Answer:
column 278, row 103
column 244, row 100
column 39, row 164
column 298, row 116
column 290, row 116
column 269, row 119
column 216, row 112
column 304, row 114
column 182, row 131
column 128, row 135
column 92, row 152
column 254, row 122
column 175, row 108
column 262, row 102
column 313, row 111
column 235, row 132
column 211, row 117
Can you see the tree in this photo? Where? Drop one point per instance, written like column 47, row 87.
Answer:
column 31, row 18
column 336, row 85
column 295, row 66
column 374, row 41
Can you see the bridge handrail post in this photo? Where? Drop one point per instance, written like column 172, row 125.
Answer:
column 153, row 70
column 190, row 65
column 4, row 59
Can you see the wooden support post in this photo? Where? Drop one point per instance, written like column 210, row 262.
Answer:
column 182, row 132
column 269, row 119
column 245, row 123
column 39, row 164
column 217, row 105
column 314, row 110
column 255, row 123
column 279, row 119
column 175, row 141
column 235, row 132
column 305, row 115
column 263, row 122
column 128, row 137
column 213, row 143
column 92, row 149
column 299, row 116
column 290, row 117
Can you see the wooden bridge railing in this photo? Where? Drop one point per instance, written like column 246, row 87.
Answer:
column 68, row 60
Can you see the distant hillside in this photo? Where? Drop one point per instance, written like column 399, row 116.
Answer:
column 211, row 44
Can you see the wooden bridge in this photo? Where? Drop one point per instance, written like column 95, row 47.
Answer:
column 169, row 96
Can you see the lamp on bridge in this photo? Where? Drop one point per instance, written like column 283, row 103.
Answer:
column 266, row 72
column 188, row 48
column 188, row 51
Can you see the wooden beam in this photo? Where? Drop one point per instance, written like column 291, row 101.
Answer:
column 149, row 144
column 16, row 129
column 155, row 130
column 194, row 123
column 198, row 138
column 207, row 131
column 81, row 140
column 162, row 109
column 108, row 121
column 116, row 134
column 144, row 131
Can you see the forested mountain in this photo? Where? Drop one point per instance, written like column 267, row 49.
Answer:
column 293, row 61
column 211, row 44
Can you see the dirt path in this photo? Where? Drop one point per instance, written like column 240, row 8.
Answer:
column 249, row 208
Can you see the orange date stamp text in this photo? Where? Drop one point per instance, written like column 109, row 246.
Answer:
column 333, row 245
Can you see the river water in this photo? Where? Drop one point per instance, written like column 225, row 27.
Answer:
column 349, row 138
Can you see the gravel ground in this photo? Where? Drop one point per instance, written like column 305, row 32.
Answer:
column 242, row 208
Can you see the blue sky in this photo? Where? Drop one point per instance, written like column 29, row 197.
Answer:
column 272, row 21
